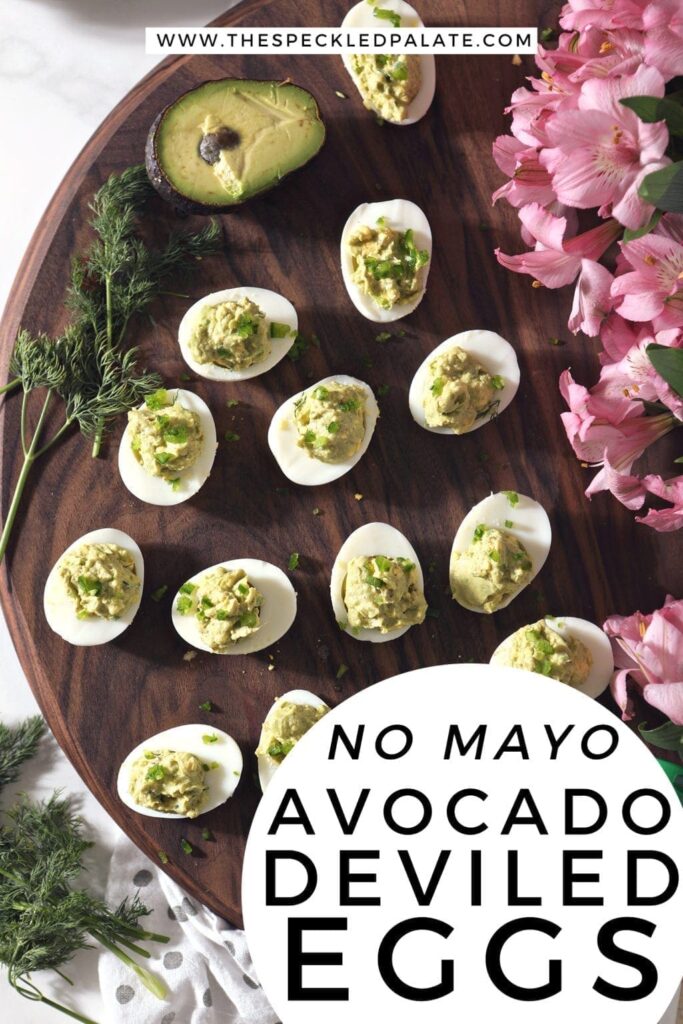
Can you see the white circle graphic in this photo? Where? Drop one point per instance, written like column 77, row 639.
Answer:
column 467, row 842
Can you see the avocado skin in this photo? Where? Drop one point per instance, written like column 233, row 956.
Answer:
column 186, row 205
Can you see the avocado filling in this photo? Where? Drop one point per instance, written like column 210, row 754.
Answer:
column 459, row 391
column 539, row 648
column 493, row 568
column 330, row 420
column 231, row 334
column 285, row 726
column 101, row 580
column 386, row 264
column 383, row 593
column 166, row 438
column 227, row 607
column 168, row 780
column 388, row 83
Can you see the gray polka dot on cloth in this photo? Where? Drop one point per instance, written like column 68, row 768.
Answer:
column 188, row 907
column 250, row 981
column 142, row 878
column 124, row 994
column 207, row 998
column 173, row 960
column 168, row 1018
column 230, row 946
column 177, row 914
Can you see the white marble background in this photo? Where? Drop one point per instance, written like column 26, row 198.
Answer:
column 63, row 65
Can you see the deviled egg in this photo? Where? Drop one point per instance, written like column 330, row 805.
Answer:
column 399, row 88
column 289, row 718
column 180, row 773
column 321, row 433
column 377, row 587
column 572, row 651
column 464, row 382
column 168, row 447
column 386, row 249
column 93, row 591
column 500, row 546
column 237, row 333
column 235, row 607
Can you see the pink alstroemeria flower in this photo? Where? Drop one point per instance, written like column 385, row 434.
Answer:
column 555, row 262
column 529, row 182
column 663, row 40
column 648, row 651
column 600, row 153
column 665, row 520
column 532, row 109
column 634, row 375
column 610, row 432
column 653, row 289
column 578, row 14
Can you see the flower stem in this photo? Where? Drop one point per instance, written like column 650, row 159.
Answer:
column 10, row 386
column 30, row 456
column 153, row 984
column 26, row 988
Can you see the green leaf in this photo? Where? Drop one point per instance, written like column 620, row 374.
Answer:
column 666, row 737
column 664, row 189
column 652, row 109
column 631, row 233
column 668, row 362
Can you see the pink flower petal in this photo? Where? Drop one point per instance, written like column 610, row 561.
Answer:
column 552, row 269
column 667, row 698
column 592, row 299
column 619, row 690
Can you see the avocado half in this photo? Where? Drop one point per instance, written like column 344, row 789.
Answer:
column 225, row 141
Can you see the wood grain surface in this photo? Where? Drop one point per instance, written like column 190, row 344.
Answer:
column 100, row 702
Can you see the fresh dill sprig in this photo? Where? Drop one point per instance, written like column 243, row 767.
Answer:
column 18, row 745
column 89, row 367
column 44, row 918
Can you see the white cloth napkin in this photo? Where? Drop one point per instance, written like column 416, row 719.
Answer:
column 206, row 964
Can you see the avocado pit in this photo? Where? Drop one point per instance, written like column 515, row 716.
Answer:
column 213, row 142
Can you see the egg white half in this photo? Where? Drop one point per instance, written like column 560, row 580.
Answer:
column 367, row 541
column 60, row 611
column 295, row 462
column 155, row 490
column 591, row 636
column 530, row 524
column 494, row 353
column 362, row 16
column 187, row 739
column 278, row 610
column 400, row 214
column 277, row 309
column 267, row 766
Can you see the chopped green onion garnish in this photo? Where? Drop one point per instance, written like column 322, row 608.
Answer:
column 279, row 330
column 342, row 670
column 230, row 435
column 210, row 737
column 293, row 562
column 158, row 399
column 157, row 594
column 512, row 497
column 391, row 16
column 206, row 705
column 186, row 846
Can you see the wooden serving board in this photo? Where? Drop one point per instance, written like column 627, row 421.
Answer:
column 100, row 702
